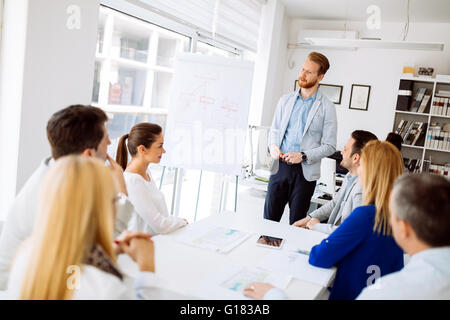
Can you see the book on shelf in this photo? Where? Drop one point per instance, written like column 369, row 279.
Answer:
column 443, row 93
column 412, row 132
column 420, row 93
column 419, row 134
column 424, row 103
column 412, row 165
column 406, row 129
column 439, row 140
column 440, row 169
column 126, row 97
column 409, row 137
column 400, row 126
column 441, row 106
column 435, row 105
column 114, row 93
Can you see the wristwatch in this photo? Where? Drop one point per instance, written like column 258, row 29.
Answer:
column 304, row 157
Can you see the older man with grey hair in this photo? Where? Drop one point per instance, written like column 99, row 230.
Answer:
column 420, row 219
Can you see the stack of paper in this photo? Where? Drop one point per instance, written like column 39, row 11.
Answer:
column 230, row 281
column 219, row 239
column 297, row 265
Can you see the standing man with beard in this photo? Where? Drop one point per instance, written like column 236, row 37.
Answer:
column 303, row 132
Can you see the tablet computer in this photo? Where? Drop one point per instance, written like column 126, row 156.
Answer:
column 270, row 242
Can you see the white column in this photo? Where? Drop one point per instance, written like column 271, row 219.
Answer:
column 269, row 64
column 48, row 57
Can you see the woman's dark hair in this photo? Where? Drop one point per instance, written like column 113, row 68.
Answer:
column 144, row 133
column 395, row 139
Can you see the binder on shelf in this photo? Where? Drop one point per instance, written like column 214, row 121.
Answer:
column 436, row 104
column 439, row 169
column 441, row 140
column 404, row 95
column 446, row 141
column 428, row 139
column 435, row 142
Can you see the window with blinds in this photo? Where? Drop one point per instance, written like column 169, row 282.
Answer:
column 236, row 21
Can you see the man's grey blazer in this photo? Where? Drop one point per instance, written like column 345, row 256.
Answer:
column 335, row 214
column 319, row 135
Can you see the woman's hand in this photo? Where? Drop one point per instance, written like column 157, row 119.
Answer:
column 142, row 251
column 257, row 290
column 125, row 237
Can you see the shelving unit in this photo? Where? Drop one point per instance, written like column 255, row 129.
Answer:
column 134, row 65
column 425, row 154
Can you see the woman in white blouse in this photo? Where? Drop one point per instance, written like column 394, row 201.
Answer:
column 71, row 254
column 145, row 145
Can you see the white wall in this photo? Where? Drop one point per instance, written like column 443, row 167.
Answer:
column 378, row 68
column 45, row 67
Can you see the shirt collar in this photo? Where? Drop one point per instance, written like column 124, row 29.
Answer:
column 351, row 178
column 440, row 252
column 313, row 97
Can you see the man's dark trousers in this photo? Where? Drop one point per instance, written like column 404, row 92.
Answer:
column 288, row 185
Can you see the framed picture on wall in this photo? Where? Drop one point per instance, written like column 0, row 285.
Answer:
column 359, row 97
column 332, row 92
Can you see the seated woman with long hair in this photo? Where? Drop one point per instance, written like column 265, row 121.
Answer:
column 145, row 145
column 362, row 247
column 71, row 254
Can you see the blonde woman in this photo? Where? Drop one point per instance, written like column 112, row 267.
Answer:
column 362, row 247
column 70, row 254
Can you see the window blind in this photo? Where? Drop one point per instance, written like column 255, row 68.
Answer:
column 235, row 20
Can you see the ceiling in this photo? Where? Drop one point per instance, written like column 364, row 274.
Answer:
column 355, row 10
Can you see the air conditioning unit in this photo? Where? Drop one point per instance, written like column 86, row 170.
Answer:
column 349, row 40
column 304, row 35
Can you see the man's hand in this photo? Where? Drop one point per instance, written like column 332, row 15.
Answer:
column 302, row 222
column 275, row 151
column 292, row 157
column 118, row 174
column 311, row 223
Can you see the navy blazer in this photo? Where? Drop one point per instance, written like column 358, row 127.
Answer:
column 357, row 251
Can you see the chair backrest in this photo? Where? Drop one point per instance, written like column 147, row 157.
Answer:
column 328, row 176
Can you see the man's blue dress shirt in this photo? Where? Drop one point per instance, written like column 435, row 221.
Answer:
column 294, row 132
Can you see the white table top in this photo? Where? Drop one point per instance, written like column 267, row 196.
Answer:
column 184, row 268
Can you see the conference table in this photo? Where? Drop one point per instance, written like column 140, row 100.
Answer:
column 184, row 268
